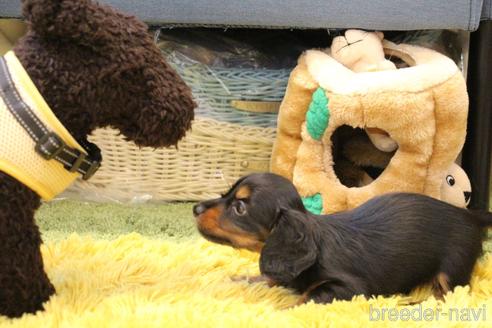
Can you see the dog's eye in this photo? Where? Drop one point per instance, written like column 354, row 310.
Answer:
column 450, row 180
column 239, row 208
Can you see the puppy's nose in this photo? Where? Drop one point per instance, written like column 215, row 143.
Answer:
column 467, row 195
column 198, row 209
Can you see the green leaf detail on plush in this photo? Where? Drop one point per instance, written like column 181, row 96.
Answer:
column 313, row 204
column 318, row 114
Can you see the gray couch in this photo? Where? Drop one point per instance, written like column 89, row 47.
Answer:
column 467, row 15
column 376, row 14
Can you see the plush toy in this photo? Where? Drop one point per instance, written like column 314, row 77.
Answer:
column 360, row 161
column 81, row 66
column 456, row 187
column 362, row 51
column 357, row 163
column 356, row 160
column 423, row 107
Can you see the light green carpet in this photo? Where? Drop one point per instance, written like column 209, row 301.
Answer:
column 170, row 221
column 58, row 219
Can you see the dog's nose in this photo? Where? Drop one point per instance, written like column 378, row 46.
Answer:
column 198, row 209
column 467, row 195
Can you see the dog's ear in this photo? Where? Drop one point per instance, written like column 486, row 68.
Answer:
column 82, row 21
column 290, row 249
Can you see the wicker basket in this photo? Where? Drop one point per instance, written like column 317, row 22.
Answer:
column 216, row 89
column 210, row 158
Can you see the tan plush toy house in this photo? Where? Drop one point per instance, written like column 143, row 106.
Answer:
column 423, row 107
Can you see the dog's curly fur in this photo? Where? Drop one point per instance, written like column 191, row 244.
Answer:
column 95, row 67
column 391, row 244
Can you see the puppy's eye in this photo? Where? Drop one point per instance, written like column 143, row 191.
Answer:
column 239, row 208
column 450, row 180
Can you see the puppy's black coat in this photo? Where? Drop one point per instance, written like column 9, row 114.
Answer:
column 391, row 244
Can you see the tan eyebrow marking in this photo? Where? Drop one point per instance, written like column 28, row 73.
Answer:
column 243, row 192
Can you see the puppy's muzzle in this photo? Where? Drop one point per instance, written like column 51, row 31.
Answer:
column 198, row 209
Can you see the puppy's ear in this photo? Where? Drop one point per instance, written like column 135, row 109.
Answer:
column 290, row 249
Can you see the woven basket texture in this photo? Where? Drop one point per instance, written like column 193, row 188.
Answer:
column 214, row 88
column 207, row 161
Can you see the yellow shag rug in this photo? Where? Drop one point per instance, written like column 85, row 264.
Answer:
column 134, row 281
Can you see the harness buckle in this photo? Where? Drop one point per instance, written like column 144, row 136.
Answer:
column 49, row 146
column 81, row 157
column 95, row 165
column 78, row 161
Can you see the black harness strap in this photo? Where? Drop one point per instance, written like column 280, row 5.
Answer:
column 48, row 144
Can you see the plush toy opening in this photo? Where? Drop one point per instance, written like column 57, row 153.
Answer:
column 399, row 63
column 356, row 161
column 400, row 59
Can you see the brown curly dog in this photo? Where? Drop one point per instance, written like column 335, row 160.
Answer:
column 95, row 67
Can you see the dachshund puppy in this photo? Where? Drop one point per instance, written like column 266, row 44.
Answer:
column 391, row 244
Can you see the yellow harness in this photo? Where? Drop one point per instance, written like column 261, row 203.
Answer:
column 43, row 163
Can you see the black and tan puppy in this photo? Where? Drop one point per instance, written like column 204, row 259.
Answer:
column 388, row 245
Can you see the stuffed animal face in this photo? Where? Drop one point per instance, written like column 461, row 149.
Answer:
column 456, row 187
column 361, row 51
column 96, row 67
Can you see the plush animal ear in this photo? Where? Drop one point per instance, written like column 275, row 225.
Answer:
column 83, row 21
column 163, row 106
column 290, row 249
